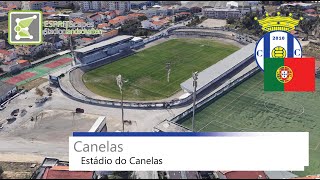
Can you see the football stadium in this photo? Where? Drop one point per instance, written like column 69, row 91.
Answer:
column 249, row 108
column 146, row 73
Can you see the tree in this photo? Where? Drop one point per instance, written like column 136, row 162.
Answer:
column 142, row 18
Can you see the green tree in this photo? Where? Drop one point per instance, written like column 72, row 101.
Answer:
column 142, row 18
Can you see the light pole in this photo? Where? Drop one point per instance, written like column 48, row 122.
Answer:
column 168, row 68
column 120, row 84
column 195, row 83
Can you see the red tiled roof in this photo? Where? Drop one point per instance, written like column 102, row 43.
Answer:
column 118, row 19
column 5, row 52
column 22, row 61
column 245, row 175
column 66, row 174
column 78, row 20
column 86, row 39
column 136, row 15
column 47, row 8
column 310, row 11
column 47, row 13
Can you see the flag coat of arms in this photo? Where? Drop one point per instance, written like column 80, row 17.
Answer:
column 289, row 74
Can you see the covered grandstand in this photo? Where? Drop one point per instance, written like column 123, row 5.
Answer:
column 102, row 50
column 217, row 71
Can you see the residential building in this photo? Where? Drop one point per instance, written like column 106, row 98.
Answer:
column 7, row 55
column 141, row 4
column 149, row 12
column 222, row 13
column 38, row 5
column 195, row 9
column 96, row 5
column 76, row 15
column 182, row 175
column 6, row 91
column 118, row 21
column 154, row 25
column 25, row 5
column 2, row 44
column 48, row 9
column 97, row 18
column 117, row 5
column 170, row 2
column 110, row 14
column 85, row 6
column 241, row 175
column 135, row 15
column 52, row 168
column 62, row 4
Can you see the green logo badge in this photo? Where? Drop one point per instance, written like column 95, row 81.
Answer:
column 25, row 27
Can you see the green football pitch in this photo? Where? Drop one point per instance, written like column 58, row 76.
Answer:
column 248, row 108
column 145, row 71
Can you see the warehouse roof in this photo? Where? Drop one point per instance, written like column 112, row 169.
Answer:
column 104, row 43
column 215, row 71
column 5, row 88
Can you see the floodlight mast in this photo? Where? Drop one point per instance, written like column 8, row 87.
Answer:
column 120, row 84
column 195, row 83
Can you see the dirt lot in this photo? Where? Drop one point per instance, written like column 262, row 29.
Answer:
column 213, row 23
column 35, row 83
column 17, row 170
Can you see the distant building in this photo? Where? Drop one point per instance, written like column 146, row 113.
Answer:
column 38, row 5
column 86, row 6
column 96, row 5
column 170, row 2
column 6, row 91
column 25, row 5
column 221, row 13
column 141, row 4
column 116, row 5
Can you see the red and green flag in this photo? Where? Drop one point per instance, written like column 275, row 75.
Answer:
column 289, row 74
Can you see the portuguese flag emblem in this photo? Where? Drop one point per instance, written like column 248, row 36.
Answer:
column 289, row 74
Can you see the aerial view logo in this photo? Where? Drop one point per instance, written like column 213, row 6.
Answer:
column 279, row 54
column 25, row 27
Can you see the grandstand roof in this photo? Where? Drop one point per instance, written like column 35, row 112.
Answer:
column 215, row 71
column 104, row 43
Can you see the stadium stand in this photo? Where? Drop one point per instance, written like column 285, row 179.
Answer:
column 215, row 72
column 103, row 49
